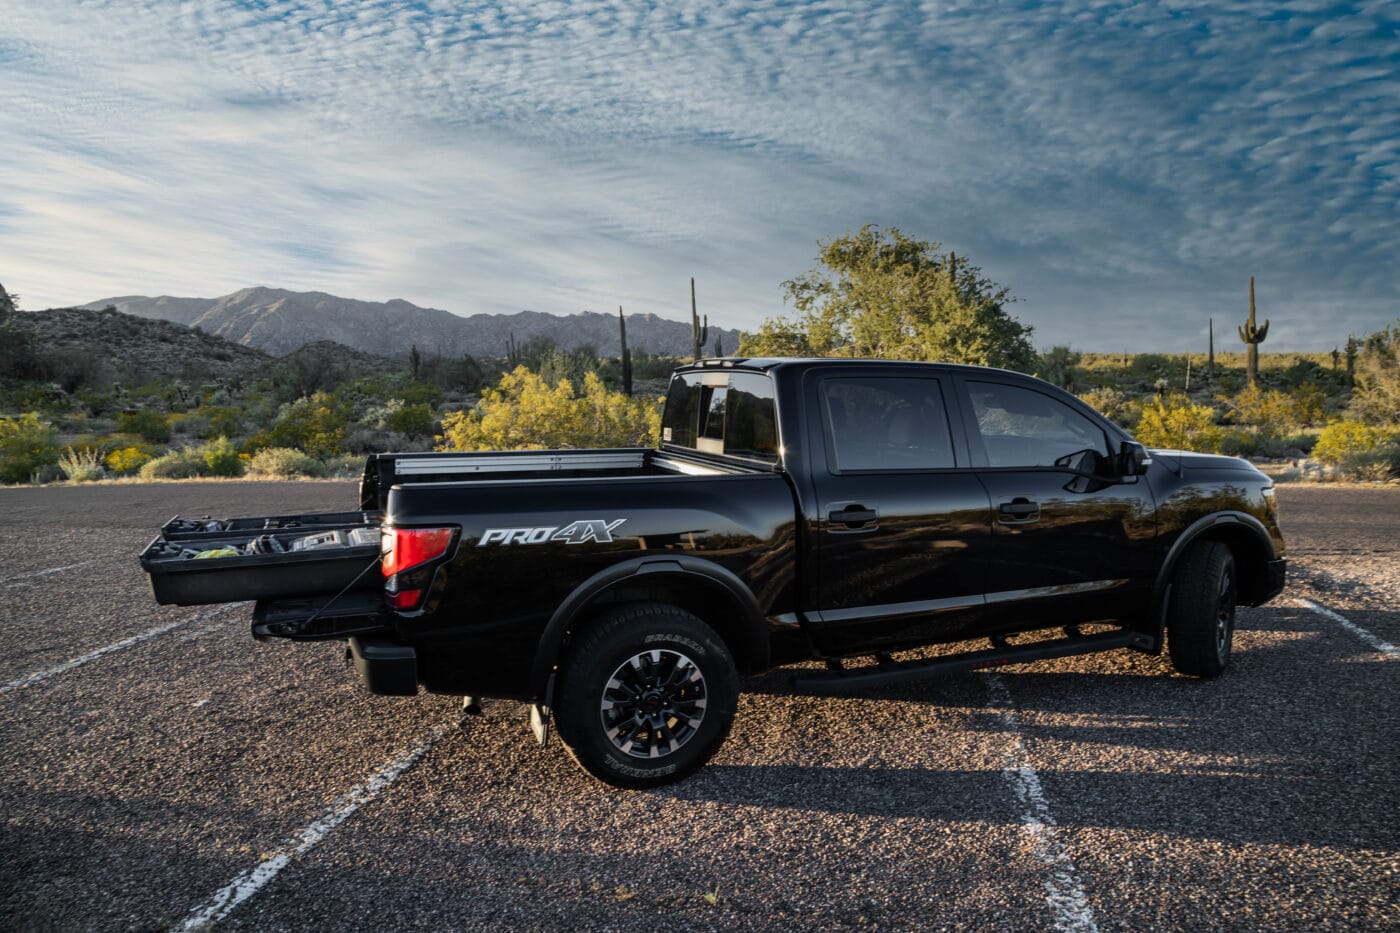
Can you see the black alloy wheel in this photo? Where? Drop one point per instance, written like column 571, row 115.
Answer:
column 646, row 695
column 654, row 703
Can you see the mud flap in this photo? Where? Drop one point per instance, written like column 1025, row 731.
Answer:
column 539, row 714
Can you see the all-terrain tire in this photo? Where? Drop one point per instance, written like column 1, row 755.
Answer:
column 646, row 695
column 1201, row 618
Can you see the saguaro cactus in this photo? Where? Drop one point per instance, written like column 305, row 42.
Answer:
column 1252, row 336
column 626, row 358
column 1210, row 356
column 699, row 332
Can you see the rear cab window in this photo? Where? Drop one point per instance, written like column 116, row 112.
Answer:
column 722, row 412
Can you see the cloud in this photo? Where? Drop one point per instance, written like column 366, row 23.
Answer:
column 1124, row 168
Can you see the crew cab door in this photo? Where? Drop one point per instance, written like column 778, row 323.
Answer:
column 1072, row 539
column 902, row 532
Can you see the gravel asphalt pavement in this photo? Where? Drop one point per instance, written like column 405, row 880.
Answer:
column 161, row 770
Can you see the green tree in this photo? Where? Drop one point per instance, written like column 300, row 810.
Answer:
column 525, row 411
column 882, row 294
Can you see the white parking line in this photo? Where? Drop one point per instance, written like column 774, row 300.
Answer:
column 1380, row 644
column 1064, row 892
column 341, row 809
column 15, row 580
column 30, row 679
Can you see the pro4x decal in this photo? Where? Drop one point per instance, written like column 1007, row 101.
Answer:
column 580, row 532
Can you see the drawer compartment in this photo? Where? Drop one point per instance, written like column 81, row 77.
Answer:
column 234, row 567
column 207, row 529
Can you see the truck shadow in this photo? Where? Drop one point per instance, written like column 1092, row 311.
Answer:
column 1287, row 747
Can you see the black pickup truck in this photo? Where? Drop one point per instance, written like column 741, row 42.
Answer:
column 795, row 510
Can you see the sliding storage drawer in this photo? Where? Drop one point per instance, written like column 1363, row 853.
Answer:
column 272, row 565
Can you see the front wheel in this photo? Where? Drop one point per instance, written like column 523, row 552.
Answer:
column 1201, row 619
column 646, row 695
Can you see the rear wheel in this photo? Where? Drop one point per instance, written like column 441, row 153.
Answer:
column 1201, row 619
column 646, row 695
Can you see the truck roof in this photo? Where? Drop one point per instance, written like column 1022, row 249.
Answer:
column 769, row 363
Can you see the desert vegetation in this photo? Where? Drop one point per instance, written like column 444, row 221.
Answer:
column 157, row 401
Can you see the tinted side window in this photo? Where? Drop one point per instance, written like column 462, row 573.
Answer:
column 680, row 418
column 753, row 426
column 886, row 423
column 1024, row 428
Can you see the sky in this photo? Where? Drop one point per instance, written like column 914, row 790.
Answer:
column 1123, row 167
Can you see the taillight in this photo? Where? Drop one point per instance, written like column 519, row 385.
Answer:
column 405, row 548
column 406, row 556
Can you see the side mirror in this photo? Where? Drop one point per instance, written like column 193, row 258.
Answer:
column 1133, row 459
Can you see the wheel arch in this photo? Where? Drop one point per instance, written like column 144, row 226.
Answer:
column 1249, row 543
column 712, row 593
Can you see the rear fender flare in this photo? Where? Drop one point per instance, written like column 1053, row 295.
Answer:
column 751, row 628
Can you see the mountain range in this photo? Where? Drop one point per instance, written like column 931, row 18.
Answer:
column 277, row 321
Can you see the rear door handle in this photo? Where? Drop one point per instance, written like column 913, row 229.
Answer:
column 1019, row 509
column 853, row 516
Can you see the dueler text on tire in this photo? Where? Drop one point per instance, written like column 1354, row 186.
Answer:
column 1201, row 618
column 645, row 695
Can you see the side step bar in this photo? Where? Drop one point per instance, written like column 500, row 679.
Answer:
column 837, row 679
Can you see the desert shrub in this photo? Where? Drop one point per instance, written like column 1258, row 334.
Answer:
column 221, row 458
column 146, row 423
column 524, row 411
column 314, row 424
column 220, row 420
column 1272, row 413
column 1060, row 366
column 1376, row 465
column 126, row 460
column 1151, row 366
column 1377, row 396
column 1309, row 404
column 82, row 465
column 1237, row 442
column 1287, row 446
column 344, row 466
column 178, row 464
column 1342, row 439
column 283, row 463
column 27, row 447
column 1174, row 422
column 414, row 420
column 1114, row 404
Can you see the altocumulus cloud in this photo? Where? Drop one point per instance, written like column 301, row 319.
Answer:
column 1124, row 167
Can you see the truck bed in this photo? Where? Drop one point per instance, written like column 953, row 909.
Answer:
column 383, row 471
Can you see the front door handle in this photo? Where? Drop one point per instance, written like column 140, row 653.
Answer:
column 853, row 516
column 1019, row 509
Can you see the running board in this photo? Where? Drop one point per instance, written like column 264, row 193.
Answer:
column 837, row 679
